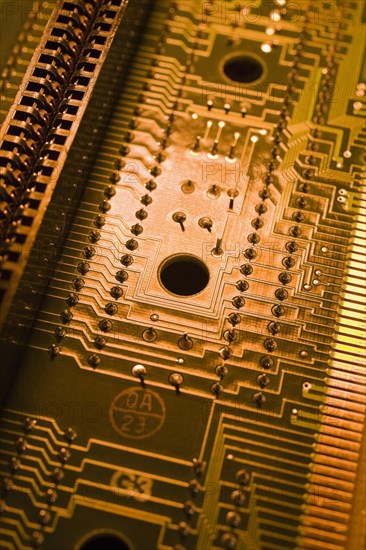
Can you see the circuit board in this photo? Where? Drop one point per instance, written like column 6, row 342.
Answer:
column 183, row 278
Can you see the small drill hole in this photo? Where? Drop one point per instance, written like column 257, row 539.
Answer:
column 243, row 68
column 103, row 542
column 184, row 275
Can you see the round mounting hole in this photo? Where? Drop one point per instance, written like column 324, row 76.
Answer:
column 184, row 275
column 102, row 542
column 243, row 68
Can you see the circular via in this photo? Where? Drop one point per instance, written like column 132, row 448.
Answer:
column 243, row 67
column 137, row 413
column 183, row 275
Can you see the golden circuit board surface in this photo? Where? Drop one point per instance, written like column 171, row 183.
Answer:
column 183, row 275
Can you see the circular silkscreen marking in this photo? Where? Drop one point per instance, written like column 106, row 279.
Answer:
column 137, row 413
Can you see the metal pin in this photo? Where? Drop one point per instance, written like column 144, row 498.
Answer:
column 180, row 217
column 185, row 343
column 213, row 192
column 231, row 156
column 149, row 335
column 196, row 147
column 188, row 187
column 232, row 193
column 214, row 149
column 217, row 251
column 205, row 223
column 139, row 371
column 176, row 380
